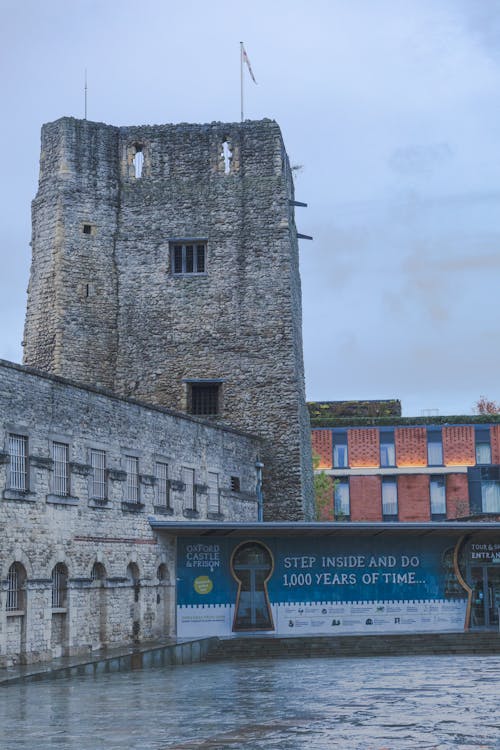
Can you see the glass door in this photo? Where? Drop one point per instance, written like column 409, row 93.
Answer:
column 493, row 595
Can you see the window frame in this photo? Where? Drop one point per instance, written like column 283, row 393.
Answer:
column 435, row 437
column 15, row 601
column 23, row 459
column 163, row 498
column 189, row 503
column 390, row 481
column 184, row 245
column 213, row 492
column 131, row 489
column 341, row 504
column 437, row 481
column 94, row 452
column 386, row 440
column 61, row 483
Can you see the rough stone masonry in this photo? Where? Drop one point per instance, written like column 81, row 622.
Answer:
column 165, row 257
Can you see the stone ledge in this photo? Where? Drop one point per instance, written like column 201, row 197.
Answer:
column 62, row 500
column 147, row 479
column 190, row 513
column 215, row 516
column 41, row 462
column 101, row 504
column 117, row 475
column 23, row 496
column 132, row 507
column 163, row 510
column 84, row 470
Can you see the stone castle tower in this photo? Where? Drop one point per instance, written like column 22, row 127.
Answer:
column 165, row 267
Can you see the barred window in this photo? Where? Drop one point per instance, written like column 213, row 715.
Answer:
column 213, row 492
column 16, row 584
column 162, row 487
column 98, row 477
column 188, row 258
column 205, row 399
column 60, row 456
column 18, row 451
column 132, row 485
column 189, row 497
column 59, row 586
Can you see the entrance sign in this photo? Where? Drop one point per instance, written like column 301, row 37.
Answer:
column 323, row 585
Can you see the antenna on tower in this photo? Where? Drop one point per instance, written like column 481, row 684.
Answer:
column 85, row 117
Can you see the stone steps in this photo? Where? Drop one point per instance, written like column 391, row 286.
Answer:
column 348, row 646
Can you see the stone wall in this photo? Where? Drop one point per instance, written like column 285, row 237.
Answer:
column 105, row 308
column 133, row 599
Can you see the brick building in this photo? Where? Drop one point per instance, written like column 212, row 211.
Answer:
column 387, row 467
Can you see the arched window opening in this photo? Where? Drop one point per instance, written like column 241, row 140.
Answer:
column 16, row 586
column 98, row 572
column 59, row 586
column 133, row 577
column 162, row 573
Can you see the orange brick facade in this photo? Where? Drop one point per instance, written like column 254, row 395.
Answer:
column 459, row 445
column 363, row 448
column 413, row 497
column 365, row 474
column 411, row 446
column 366, row 498
column 322, row 448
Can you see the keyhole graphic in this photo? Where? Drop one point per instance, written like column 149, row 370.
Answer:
column 252, row 566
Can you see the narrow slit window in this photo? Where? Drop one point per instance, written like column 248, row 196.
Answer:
column 138, row 162
column 87, row 228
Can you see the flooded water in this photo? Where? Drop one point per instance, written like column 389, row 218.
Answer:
column 354, row 704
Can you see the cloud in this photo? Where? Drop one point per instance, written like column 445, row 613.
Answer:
column 420, row 159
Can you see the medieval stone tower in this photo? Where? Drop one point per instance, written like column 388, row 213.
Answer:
column 165, row 267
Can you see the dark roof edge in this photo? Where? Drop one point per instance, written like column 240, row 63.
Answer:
column 325, row 526
column 60, row 380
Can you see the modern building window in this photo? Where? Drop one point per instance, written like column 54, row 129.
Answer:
column 132, row 483
column 483, row 445
column 18, row 452
column 434, row 447
column 98, row 477
column 16, row 585
column 188, row 259
column 389, row 498
column 342, row 505
column 438, row 495
column 387, row 448
column 213, row 492
column 162, row 484
column 189, row 496
column 340, row 456
column 204, row 398
column 59, row 586
column 60, row 457
column 490, row 495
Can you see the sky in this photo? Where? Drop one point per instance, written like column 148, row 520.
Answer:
column 390, row 109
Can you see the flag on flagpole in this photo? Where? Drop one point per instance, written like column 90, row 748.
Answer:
column 245, row 58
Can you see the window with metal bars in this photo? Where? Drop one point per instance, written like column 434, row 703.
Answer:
column 132, row 484
column 18, row 452
column 59, row 586
column 213, row 492
column 60, row 457
column 98, row 572
column 98, row 477
column 188, row 258
column 189, row 496
column 16, row 584
column 162, row 485
column 205, row 399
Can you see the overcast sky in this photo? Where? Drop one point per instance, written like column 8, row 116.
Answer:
column 392, row 107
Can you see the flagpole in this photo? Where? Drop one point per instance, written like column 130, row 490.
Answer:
column 241, row 79
column 85, row 94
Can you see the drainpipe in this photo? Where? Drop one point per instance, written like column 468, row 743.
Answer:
column 258, row 490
